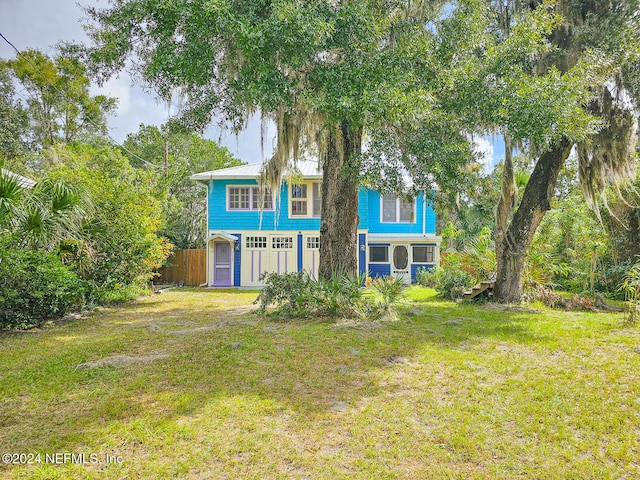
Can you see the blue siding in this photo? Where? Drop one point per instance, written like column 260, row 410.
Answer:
column 416, row 266
column 300, row 252
column 362, row 253
column 363, row 209
column 221, row 219
column 237, row 254
column 379, row 269
column 376, row 226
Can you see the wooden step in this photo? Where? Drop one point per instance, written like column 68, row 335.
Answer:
column 478, row 289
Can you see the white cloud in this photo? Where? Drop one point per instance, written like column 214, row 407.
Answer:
column 484, row 148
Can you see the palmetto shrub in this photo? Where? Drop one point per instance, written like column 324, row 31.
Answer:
column 631, row 287
column 299, row 295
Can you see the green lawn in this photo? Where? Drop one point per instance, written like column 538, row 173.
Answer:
column 205, row 389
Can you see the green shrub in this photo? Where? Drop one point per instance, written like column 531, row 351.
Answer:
column 343, row 295
column 451, row 282
column 299, row 295
column 391, row 290
column 34, row 287
column 449, row 279
column 612, row 277
column 426, row 277
column 631, row 289
column 294, row 294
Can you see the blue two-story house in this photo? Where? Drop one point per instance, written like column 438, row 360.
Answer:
column 395, row 237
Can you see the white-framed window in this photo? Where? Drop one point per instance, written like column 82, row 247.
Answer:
column 316, row 188
column 256, row 242
column 299, row 200
column 396, row 210
column 306, row 199
column 239, row 198
column 248, row 198
column 423, row 254
column 378, row 254
column 264, row 194
column 281, row 243
column 313, row 242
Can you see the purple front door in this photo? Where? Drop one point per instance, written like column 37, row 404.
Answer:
column 222, row 264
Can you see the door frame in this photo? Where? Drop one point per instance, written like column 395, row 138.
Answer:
column 215, row 282
column 404, row 274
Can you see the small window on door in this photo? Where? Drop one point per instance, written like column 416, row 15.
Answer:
column 281, row 243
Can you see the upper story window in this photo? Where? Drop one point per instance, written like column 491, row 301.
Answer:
column 397, row 210
column 249, row 198
column 306, row 199
column 299, row 200
column 317, row 198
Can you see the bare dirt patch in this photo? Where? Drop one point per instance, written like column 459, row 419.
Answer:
column 121, row 360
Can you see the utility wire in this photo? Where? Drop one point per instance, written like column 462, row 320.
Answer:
column 66, row 99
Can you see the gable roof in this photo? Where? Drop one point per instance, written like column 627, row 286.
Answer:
column 23, row 182
column 308, row 168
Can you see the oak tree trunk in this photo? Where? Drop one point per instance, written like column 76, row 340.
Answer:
column 339, row 216
column 536, row 200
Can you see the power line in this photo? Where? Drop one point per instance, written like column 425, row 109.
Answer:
column 66, row 99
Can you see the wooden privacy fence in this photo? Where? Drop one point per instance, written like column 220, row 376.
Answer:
column 188, row 266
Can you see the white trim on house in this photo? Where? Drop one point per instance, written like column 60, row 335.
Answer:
column 309, row 199
column 222, row 234
column 250, row 199
column 403, row 238
column 307, row 168
column 398, row 211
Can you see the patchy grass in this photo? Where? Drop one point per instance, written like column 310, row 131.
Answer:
column 190, row 384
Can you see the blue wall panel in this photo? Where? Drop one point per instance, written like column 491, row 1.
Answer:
column 416, row 266
column 363, row 208
column 237, row 254
column 379, row 269
column 221, row 219
column 299, row 253
column 362, row 253
column 376, row 226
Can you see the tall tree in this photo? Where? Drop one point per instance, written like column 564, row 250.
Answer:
column 601, row 37
column 59, row 103
column 325, row 71
column 174, row 157
column 14, row 120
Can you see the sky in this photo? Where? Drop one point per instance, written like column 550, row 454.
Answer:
column 41, row 24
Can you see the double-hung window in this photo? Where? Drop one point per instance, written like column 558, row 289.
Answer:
column 249, row 198
column 299, row 200
column 306, row 199
column 317, row 198
column 397, row 210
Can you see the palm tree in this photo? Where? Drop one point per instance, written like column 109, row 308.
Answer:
column 10, row 196
column 45, row 217
column 51, row 214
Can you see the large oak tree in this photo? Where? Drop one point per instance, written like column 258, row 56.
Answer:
column 325, row 71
